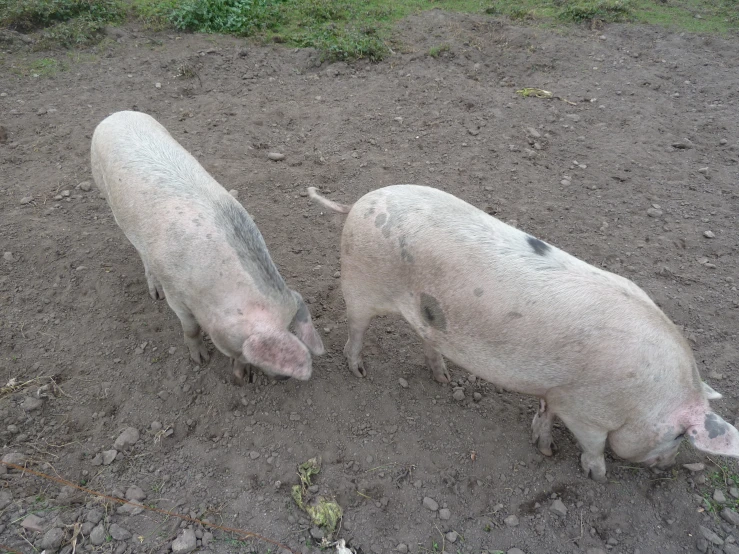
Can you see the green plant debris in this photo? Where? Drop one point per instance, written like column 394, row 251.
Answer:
column 323, row 512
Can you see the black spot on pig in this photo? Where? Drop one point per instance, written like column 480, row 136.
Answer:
column 404, row 254
column 302, row 315
column 714, row 425
column 369, row 213
column 245, row 239
column 539, row 247
column 380, row 220
column 196, row 221
column 478, row 292
column 513, row 315
column 432, row 313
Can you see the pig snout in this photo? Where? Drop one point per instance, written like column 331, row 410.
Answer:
column 279, row 354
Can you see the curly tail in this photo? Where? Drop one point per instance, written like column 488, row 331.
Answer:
column 335, row 206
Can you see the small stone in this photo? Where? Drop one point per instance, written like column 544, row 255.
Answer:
column 445, row 514
column 6, row 497
column 565, row 182
column 731, row 516
column 698, row 466
column 511, row 521
column 731, row 549
column 31, row 403
column 430, row 504
column 52, row 539
column 186, row 542
column 8, row 257
column 234, row 193
column 402, row 548
column 458, row 395
column 515, row 551
column 119, row 533
column 41, row 111
column 477, row 396
column 403, row 383
column 98, row 460
column 718, row 496
column 157, row 85
column 156, row 426
column 684, row 144
column 654, row 212
column 337, row 274
column 26, row 199
column 94, row 516
column 701, row 544
column 316, row 533
column 135, row 493
column 126, row 439
column 109, row 456
column 710, row 536
column 703, row 170
column 452, row 536
column 33, row 523
column 533, row 133
column 723, row 142
column 276, row 156
column 709, row 234
column 98, row 535
column 254, row 454
column 558, row 508
column 734, row 491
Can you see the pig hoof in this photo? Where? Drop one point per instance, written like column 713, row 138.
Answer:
column 358, row 369
column 443, row 377
column 199, row 354
column 595, row 468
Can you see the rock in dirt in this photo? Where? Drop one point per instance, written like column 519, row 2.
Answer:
column 654, row 212
column 403, row 383
column 709, row 234
column 85, row 186
column 8, row 257
column 26, row 199
column 31, row 403
column 52, row 539
column 684, row 144
column 729, row 515
column 119, row 533
column 276, row 156
column 719, row 496
column 234, row 193
column 97, row 536
column 558, row 508
column 698, row 466
column 402, row 548
column 734, row 491
column 33, row 523
column 430, row 504
column 710, row 536
column 731, row 549
column 126, row 439
column 109, row 456
column 445, row 514
column 458, row 395
column 6, row 497
column 135, row 493
column 511, row 521
column 316, row 533
column 185, row 543
column 94, row 516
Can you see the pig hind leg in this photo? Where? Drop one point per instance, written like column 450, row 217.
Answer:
column 155, row 287
column 191, row 330
column 358, row 321
column 593, row 443
column 435, row 362
column 541, row 429
column 242, row 372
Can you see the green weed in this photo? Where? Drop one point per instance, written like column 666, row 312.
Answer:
column 580, row 11
column 236, row 17
column 436, row 51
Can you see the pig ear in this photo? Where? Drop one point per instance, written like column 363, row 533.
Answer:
column 714, row 436
column 710, row 393
column 279, row 353
column 302, row 325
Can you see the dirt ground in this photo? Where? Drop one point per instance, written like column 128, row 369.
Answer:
column 630, row 169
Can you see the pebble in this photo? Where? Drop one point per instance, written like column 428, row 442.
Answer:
column 430, row 504
column 683, row 144
column 119, row 533
column 452, row 536
column 723, row 142
column 731, row 516
column 186, row 542
column 698, row 466
column 458, row 395
column 33, row 523
column 126, row 439
column 276, row 156
column 109, row 456
column 157, row 85
column 477, row 396
column 731, row 549
column 135, row 493
column 445, row 514
column 6, row 497
column 234, row 193
column 710, row 536
column 52, row 539
column 515, row 551
column 316, row 533
column 403, row 383
column 709, row 234
column 26, row 199
column 254, row 454
column 654, row 212
column 97, row 536
column 533, row 132
column 565, row 182
column 337, row 274
column 402, row 548
column 31, row 403
column 718, row 496
column 733, row 491
column 94, row 516
column 511, row 521
column 558, row 508
column 8, row 257
column 156, row 426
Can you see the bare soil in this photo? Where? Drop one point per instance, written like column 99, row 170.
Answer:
column 628, row 167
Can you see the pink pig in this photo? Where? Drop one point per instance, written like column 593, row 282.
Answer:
column 201, row 250
column 522, row 314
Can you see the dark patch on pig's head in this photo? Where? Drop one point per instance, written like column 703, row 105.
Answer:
column 539, row 247
column 478, row 292
column 380, row 220
column 432, row 313
column 244, row 237
column 302, row 315
column 369, row 213
column 513, row 315
column 714, row 425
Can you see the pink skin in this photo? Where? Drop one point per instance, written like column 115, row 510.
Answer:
column 529, row 317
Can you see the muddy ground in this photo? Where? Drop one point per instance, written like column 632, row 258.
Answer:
column 630, row 169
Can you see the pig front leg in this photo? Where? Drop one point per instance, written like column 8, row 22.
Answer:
column 593, row 443
column 541, row 429
column 242, row 372
column 155, row 287
column 435, row 362
column 191, row 330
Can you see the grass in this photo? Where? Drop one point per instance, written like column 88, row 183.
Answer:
column 339, row 29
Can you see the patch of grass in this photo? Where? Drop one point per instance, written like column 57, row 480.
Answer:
column 236, row 17
column 436, row 51
column 46, row 67
column 608, row 11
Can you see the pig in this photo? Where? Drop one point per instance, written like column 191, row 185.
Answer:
column 201, row 251
column 528, row 317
